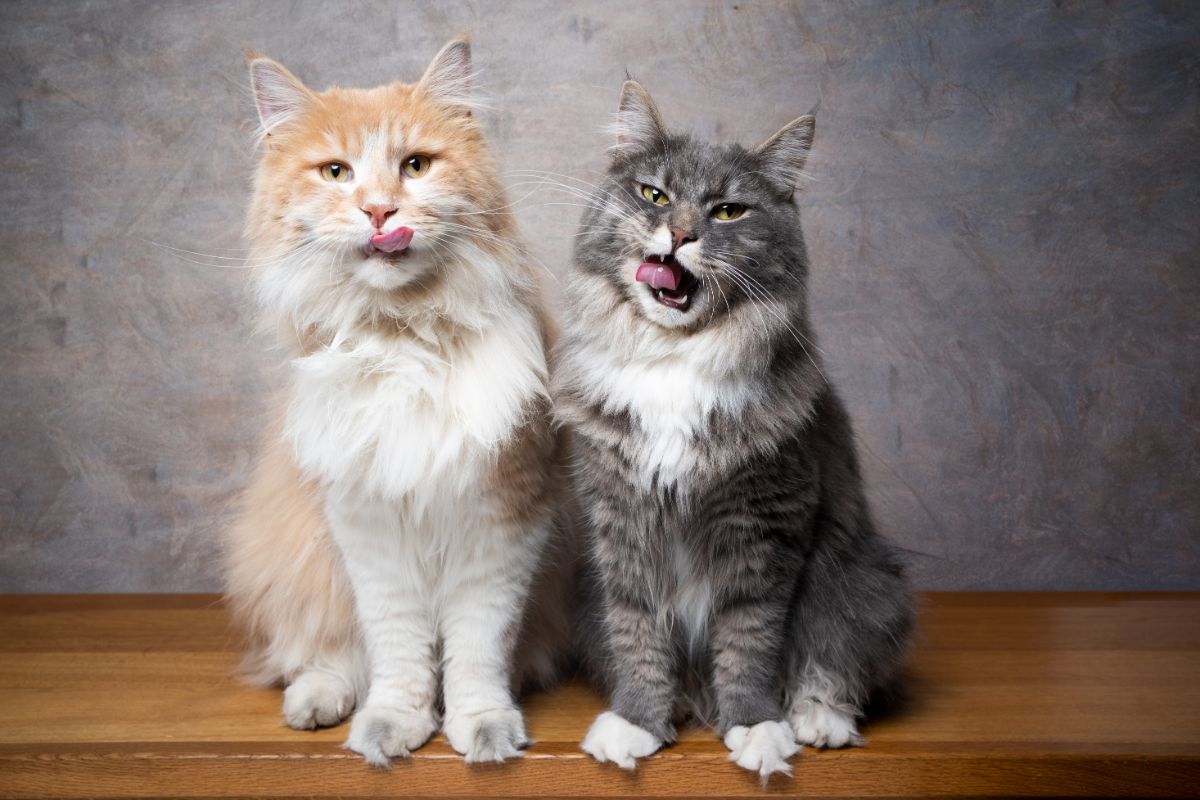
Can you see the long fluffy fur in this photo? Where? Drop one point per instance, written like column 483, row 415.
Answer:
column 404, row 505
column 735, row 572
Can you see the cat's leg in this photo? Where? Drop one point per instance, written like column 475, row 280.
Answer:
column 640, row 661
column 642, row 676
column 746, row 535
column 851, row 629
column 745, row 637
column 393, row 609
column 480, row 619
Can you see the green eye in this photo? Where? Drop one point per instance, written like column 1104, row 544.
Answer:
column 656, row 196
column 337, row 172
column 417, row 166
column 728, row 211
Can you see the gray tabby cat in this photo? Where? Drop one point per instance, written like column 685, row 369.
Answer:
column 734, row 568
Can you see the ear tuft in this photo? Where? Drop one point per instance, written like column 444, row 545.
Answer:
column 638, row 121
column 448, row 78
column 278, row 93
column 786, row 151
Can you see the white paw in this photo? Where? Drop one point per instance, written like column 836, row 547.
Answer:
column 493, row 735
column 613, row 738
column 317, row 699
column 379, row 733
column 764, row 749
column 823, row 726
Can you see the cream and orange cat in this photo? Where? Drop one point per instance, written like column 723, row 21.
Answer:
column 401, row 512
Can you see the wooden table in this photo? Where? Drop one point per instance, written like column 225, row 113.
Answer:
column 1013, row 694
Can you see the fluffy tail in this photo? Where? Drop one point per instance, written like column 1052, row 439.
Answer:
column 285, row 583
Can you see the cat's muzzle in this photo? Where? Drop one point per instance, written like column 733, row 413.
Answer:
column 668, row 281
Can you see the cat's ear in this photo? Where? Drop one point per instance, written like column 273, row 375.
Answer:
column 784, row 153
column 638, row 121
column 447, row 81
column 278, row 93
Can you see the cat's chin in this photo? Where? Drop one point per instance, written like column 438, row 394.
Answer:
column 671, row 310
column 390, row 271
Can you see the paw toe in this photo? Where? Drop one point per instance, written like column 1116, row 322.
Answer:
column 613, row 738
column 380, row 734
column 764, row 748
column 316, row 700
column 493, row 735
column 821, row 725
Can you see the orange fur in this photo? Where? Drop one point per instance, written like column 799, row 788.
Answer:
column 285, row 571
column 286, row 583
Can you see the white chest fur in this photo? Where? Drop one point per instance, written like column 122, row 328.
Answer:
column 390, row 417
column 670, row 392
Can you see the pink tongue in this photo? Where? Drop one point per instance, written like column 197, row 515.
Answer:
column 393, row 241
column 659, row 276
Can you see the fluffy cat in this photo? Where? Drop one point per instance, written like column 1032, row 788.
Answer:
column 735, row 570
column 403, row 506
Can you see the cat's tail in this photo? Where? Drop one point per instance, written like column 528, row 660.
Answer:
column 853, row 626
column 285, row 584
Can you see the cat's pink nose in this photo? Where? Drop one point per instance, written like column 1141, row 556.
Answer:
column 378, row 213
column 680, row 237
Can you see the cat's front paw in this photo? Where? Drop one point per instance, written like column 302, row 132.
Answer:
column 493, row 735
column 316, row 700
column 764, row 748
column 614, row 738
column 380, row 733
column 822, row 725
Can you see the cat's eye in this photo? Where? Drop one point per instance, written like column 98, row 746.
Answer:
column 728, row 211
column 336, row 172
column 656, row 196
column 416, row 166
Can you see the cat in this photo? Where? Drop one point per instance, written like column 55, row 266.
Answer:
column 734, row 567
column 404, row 504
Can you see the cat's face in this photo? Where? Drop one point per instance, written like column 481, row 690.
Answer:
column 687, row 231
column 372, row 190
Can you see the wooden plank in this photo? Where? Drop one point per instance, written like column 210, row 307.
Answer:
column 133, row 696
column 117, row 774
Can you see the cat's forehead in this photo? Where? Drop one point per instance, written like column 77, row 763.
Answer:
column 687, row 165
column 360, row 122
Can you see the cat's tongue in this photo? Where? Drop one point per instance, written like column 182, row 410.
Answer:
column 660, row 276
column 392, row 241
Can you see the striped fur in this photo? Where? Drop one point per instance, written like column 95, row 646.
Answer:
column 735, row 572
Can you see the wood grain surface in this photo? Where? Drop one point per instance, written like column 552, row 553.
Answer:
column 1062, row 694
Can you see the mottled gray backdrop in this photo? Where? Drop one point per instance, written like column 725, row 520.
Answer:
column 1003, row 220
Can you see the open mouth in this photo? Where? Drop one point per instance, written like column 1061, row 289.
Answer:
column 669, row 283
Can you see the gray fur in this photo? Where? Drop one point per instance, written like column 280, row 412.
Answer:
column 808, row 603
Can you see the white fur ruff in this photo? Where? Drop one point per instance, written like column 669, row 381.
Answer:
column 668, row 383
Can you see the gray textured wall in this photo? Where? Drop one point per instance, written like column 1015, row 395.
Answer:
column 1004, row 226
